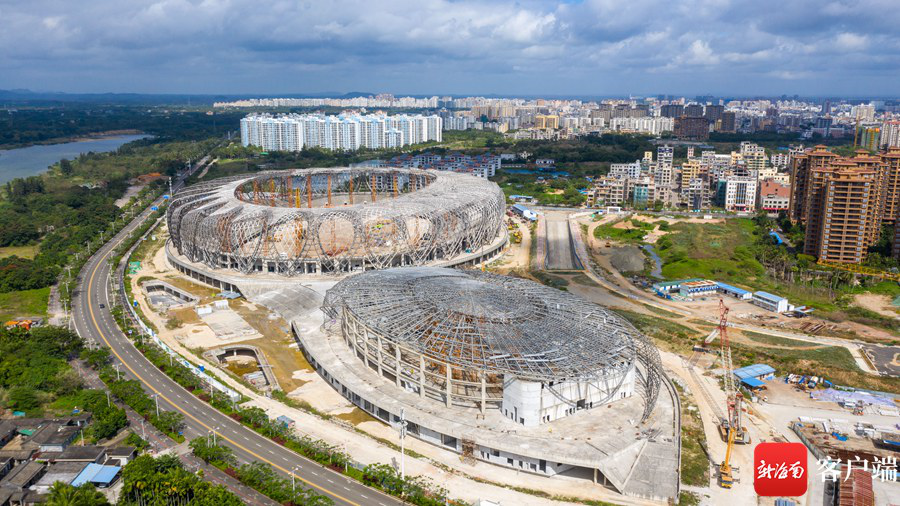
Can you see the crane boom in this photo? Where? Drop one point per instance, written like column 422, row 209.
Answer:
column 733, row 397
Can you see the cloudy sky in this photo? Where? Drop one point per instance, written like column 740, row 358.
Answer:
column 525, row 47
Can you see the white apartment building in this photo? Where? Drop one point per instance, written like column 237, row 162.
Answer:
column 294, row 132
column 740, row 193
column 625, row 170
column 890, row 134
column 647, row 124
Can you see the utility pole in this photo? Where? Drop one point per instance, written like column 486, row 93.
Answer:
column 402, row 438
column 293, row 477
column 118, row 376
column 156, row 397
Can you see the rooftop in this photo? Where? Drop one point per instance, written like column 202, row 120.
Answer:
column 97, row 474
column 768, row 296
column 753, row 371
column 484, row 321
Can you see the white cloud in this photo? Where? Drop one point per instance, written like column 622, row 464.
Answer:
column 851, row 42
column 465, row 45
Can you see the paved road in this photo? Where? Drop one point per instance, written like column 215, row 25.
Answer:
column 559, row 243
column 95, row 323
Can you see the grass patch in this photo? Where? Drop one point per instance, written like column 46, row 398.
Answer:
column 688, row 499
column 19, row 251
column 551, row 280
column 702, row 323
column 833, row 362
column 662, row 312
column 776, row 340
column 356, row 417
column 722, row 251
column 24, row 303
column 635, row 234
column 672, row 335
column 694, row 462
column 583, row 279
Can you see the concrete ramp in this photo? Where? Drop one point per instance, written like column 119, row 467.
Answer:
column 559, row 243
column 290, row 301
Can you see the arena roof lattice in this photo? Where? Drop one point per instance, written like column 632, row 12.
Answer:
column 487, row 322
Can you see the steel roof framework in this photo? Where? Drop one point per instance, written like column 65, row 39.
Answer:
column 432, row 327
column 288, row 221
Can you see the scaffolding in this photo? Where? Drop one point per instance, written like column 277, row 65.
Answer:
column 460, row 336
column 257, row 223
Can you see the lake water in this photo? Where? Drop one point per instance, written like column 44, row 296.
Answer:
column 31, row 161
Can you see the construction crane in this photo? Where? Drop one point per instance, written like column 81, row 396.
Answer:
column 730, row 426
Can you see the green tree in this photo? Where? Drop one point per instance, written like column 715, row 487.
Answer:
column 203, row 449
column 169, row 421
column 65, row 167
column 63, row 494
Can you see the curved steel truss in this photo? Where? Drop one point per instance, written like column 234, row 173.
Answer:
column 432, row 327
column 334, row 220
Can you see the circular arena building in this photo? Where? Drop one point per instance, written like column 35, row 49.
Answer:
column 486, row 341
column 336, row 220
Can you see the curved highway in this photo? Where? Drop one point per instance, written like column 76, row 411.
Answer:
column 93, row 321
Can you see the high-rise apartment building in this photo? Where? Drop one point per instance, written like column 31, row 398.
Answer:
column 843, row 201
column 846, row 230
column 729, row 122
column 294, row 132
column 714, row 113
column 546, row 122
column 693, row 110
column 692, row 128
column 671, row 110
column 754, row 156
column 890, row 134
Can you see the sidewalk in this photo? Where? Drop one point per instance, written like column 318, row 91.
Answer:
column 463, row 481
column 162, row 444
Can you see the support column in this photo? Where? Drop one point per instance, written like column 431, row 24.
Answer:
column 483, row 392
column 595, row 476
column 397, row 363
column 378, row 354
column 449, row 387
column 422, row 376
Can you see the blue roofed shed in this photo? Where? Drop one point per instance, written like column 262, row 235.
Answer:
column 752, row 383
column 101, row 476
column 756, row 371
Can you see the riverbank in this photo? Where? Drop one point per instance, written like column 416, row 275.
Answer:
column 35, row 160
column 96, row 136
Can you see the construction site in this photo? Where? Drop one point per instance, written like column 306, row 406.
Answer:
column 499, row 380
column 336, row 221
column 502, row 370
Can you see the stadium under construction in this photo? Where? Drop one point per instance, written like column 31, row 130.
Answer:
column 494, row 368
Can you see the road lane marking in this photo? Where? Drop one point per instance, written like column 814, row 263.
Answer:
column 186, row 413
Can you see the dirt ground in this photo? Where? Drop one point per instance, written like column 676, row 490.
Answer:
column 516, row 255
column 881, row 304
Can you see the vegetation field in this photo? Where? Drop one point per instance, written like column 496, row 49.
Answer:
column 27, row 251
column 776, row 340
column 833, row 362
column 669, row 335
column 721, row 251
column 24, row 303
column 634, row 233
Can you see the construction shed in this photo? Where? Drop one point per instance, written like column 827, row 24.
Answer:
column 758, row 372
column 733, row 291
column 524, row 212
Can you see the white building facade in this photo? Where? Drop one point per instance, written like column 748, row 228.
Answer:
column 295, row 132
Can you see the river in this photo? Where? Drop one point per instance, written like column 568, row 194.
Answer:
column 31, row 161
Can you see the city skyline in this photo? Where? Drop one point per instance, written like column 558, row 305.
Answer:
column 531, row 48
